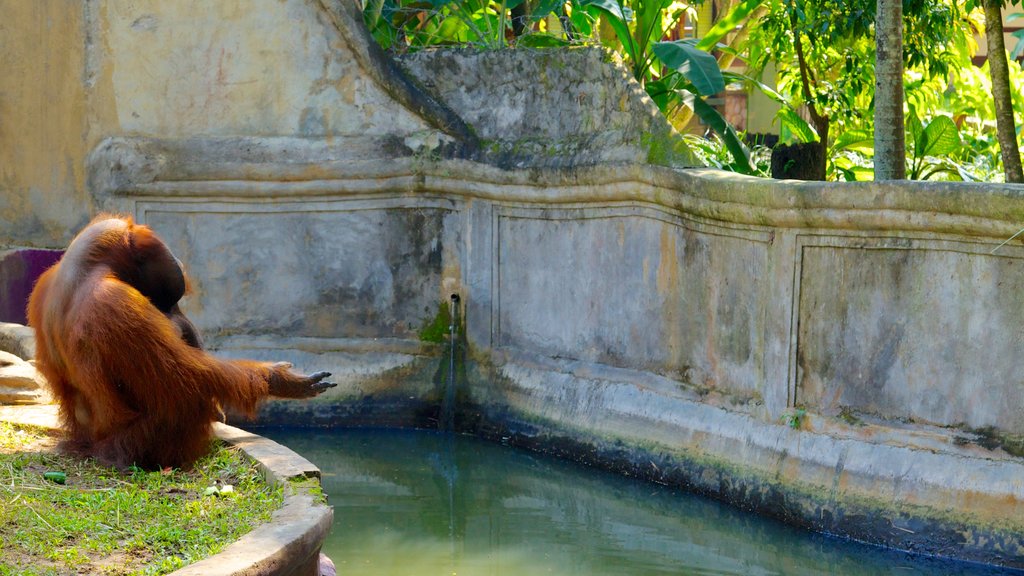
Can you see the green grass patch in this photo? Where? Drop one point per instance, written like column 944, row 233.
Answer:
column 104, row 521
column 14, row 437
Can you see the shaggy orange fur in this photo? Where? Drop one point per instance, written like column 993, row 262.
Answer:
column 125, row 365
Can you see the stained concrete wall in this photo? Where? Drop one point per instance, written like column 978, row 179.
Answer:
column 906, row 328
column 43, row 121
column 232, row 68
column 840, row 356
column 81, row 71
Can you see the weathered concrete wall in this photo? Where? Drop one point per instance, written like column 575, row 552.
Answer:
column 538, row 107
column 907, row 328
column 232, row 68
column 43, row 120
column 636, row 287
column 83, row 71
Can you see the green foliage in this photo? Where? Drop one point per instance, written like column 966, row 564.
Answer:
column 787, row 115
column 1018, row 48
column 18, row 437
column 674, row 73
column 410, row 25
column 694, row 64
column 836, row 82
column 838, row 47
column 851, row 154
column 437, row 328
column 726, row 24
column 836, row 78
column 103, row 520
column 794, row 418
column 934, row 141
column 967, row 98
column 731, row 140
column 680, row 72
column 712, row 151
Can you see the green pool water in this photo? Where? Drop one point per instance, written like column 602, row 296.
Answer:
column 426, row 504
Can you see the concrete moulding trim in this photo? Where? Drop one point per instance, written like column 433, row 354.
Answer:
column 325, row 345
column 311, row 168
column 953, row 501
column 288, row 545
column 18, row 339
column 625, row 398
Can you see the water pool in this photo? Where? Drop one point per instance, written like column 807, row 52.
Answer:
column 424, row 504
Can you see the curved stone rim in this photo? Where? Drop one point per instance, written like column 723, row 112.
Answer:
column 304, row 168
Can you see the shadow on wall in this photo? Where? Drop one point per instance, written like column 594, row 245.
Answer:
column 18, row 272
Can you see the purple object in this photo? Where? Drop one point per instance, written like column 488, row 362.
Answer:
column 19, row 270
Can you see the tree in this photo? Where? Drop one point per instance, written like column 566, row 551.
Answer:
column 890, row 147
column 824, row 57
column 1005, row 126
column 825, row 50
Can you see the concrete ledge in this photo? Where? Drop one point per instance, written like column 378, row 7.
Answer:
column 18, row 339
column 289, row 545
column 128, row 170
column 879, row 485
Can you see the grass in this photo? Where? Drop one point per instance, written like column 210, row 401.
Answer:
column 104, row 521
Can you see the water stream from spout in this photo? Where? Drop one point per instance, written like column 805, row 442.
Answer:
column 447, row 418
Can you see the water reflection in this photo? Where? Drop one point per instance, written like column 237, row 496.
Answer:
column 421, row 503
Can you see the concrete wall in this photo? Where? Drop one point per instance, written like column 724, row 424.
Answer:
column 83, row 71
column 43, row 121
column 233, row 68
column 840, row 356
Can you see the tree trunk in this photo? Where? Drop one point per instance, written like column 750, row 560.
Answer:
column 819, row 120
column 890, row 147
column 1005, row 126
column 801, row 161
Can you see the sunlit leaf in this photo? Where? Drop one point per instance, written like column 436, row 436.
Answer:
column 711, row 117
column 728, row 23
column 663, row 92
column 541, row 41
column 615, row 18
column 1018, row 48
column 694, row 64
column 450, row 27
column 581, row 19
column 372, row 12
column 544, row 8
column 803, row 131
column 787, row 115
column 915, row 130
column 609, row 6
column 940, row 137
column 857, row 140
